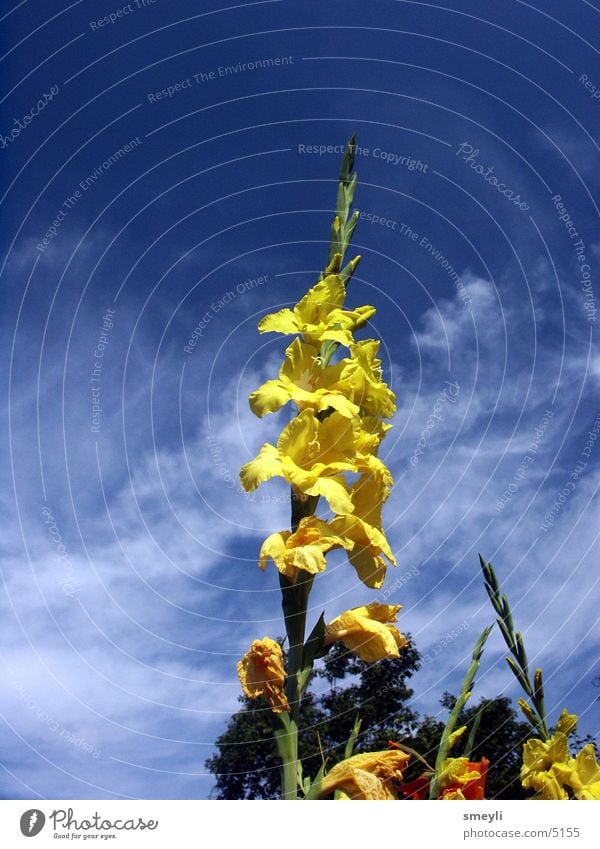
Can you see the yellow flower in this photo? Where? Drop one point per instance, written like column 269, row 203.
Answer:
column 548, row 767
column 457, row 771
column 584, row 776
column 303, row 380
column 545, row 765
column 368, row 776
column 374, row 397
column 366, row 631
column 304, row 549
column 310, row 455
column 261, row 673
column 319, row 315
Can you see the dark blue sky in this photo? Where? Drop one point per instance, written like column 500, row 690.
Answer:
column 165, row 167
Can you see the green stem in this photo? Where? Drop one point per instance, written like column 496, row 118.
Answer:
column 294, row 601
column 287, row 746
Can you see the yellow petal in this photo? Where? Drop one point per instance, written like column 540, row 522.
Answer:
column 370, row 568
column 343, row 337
column 265, row 465
column 370, row 392
column 268, row 398
column 337, row 436
column 311, row 385
column 334, row 491
column 585, row 774
column 274, row 547
column 320, row 300
column 567, row 723
column 283, row 321
column 305, row 549
column 369, row 544
column 366, row 631
column 298, row 435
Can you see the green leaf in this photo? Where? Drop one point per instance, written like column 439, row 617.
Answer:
column 313, row 648
column 352, row 738
column 316, row 785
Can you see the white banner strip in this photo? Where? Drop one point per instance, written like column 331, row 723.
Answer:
column 196, row 824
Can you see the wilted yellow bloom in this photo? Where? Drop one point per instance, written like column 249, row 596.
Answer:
column 310, row 455
column 261, row 673
column 368, row 776
column 303, row 379
column 367, row 631
column 373, row 396
column 305, row 549
column 319, row 315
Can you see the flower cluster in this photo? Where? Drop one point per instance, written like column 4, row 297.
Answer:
column 337, row 432
column 335, row 436
column 550, row 770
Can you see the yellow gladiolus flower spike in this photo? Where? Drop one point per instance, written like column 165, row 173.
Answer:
column 368, row 776
column 310, row 455
column 261, row 673
column 319, row 315
column 303, row 380
column 304, row 549
column 367, row 631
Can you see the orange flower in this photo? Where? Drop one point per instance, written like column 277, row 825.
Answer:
column 459, row 779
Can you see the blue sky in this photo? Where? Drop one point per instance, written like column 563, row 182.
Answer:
column 165, row 152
